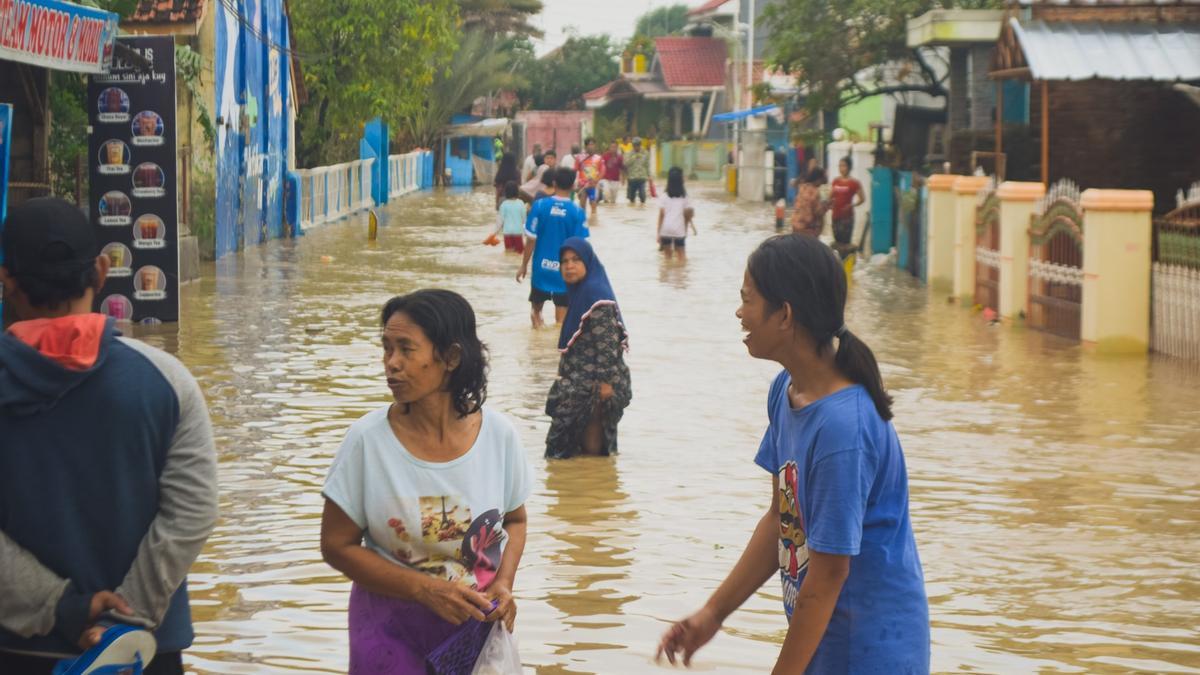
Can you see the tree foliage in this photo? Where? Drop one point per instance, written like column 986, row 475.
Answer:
column 836, row 50
column 480, row 65
column 500, row 17
column 662, row 21
column 558, row 80
column 362, row 59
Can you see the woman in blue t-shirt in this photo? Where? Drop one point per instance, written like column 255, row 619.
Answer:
column 838, row 529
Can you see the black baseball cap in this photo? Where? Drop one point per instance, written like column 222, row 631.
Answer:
column 47, row 237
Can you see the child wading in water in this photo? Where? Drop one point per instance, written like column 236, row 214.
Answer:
column 511, row 219
column 838, row 529
column 674, row 216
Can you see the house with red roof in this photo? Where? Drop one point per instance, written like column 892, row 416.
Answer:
column 685, row 84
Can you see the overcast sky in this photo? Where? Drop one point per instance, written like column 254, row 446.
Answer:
column 592, row 17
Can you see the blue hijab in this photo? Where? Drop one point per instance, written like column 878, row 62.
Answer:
column 585, row 295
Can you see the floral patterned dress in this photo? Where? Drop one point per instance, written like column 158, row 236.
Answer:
column 596, row 356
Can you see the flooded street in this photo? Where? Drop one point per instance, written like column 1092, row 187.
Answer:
column 1055, row 494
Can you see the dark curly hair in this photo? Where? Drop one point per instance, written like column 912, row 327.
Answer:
column 448, row 321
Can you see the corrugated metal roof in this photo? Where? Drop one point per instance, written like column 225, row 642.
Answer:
column 1110, row 51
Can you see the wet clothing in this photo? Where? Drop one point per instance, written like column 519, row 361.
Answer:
column 843, row 490
column 592, row 341
column 512, row 217
column 842, row 192
column 636, row 189
column 666, row 243
column 674, row 222
column 550, row 222
column 539, row 296
column 637, row 165
column 514, row 242
column 444, row 519
column 809, row 211
column 107, row 482
column 613, row 164
column 843, row 230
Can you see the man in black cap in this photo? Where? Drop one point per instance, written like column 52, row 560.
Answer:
column 107, row 465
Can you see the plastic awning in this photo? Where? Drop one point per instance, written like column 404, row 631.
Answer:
column 742, row 114
column 1110, row 51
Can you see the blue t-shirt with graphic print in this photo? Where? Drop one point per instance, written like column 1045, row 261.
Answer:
column 843, row 489
column 551, row 221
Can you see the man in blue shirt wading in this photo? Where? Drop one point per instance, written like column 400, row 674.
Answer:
column 108, row 485
column 550, row 222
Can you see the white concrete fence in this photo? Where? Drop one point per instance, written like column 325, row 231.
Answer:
column 329, row 193
column 404, row 173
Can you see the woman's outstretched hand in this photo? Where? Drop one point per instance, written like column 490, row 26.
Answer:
column 606, row 391
column 454, row 602
column 688, row 636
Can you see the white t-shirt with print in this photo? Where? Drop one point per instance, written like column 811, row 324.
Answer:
column 674, row 224
column 441, row 518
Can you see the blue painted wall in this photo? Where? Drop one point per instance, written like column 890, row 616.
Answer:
column 252, row 71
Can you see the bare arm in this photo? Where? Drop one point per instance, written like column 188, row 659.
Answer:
column 758, row 563
column 341, row 547
column 814, row 606
column 658, row 230
column 859, row 196
column 688, row 213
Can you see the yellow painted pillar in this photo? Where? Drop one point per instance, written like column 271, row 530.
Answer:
column 966, row 198
column 1116, row 269
column 1017, row 202
column 939, row 240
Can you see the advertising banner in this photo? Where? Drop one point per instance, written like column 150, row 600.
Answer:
column 57, row 35
column 133, row 198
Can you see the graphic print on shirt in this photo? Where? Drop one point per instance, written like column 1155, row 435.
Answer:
column 451, row 545
column 793, row 548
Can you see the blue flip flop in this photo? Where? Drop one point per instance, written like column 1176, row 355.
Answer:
column 122, row 650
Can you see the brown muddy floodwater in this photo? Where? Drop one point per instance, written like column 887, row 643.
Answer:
column 1055, row 493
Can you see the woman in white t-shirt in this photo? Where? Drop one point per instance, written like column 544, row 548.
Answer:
column 424, row 503
column 674, row 216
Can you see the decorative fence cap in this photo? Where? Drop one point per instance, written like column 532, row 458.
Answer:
column 1189, row 198
column 970, row 185
column 942, row 182
column 1018, row 191
column 1117, row 200
column 1063, row 190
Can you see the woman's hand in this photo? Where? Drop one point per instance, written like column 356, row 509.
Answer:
column 688, row 636
column 606, row 391
column 453, row 602
column 506, row 606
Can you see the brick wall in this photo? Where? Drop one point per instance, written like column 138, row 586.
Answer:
column 1135, row 135
column 983, row 88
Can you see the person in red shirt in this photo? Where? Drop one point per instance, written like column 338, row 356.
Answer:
column 845, row 193
column 613, row 165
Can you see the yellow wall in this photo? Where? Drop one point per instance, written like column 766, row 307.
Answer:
column 940, row 238
column 966, row 198
column 1116, row 269
column 1017, row 201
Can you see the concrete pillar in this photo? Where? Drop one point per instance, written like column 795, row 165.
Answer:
column 697, row 118
column 959, row 106
column 1017, row 201
column 939, row 240
column 677, row 108
column 966, row 199
column 1116, row 269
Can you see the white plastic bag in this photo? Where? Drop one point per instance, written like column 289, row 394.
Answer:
column 499, row 655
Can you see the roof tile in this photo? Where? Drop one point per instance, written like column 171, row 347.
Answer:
column 691, row 61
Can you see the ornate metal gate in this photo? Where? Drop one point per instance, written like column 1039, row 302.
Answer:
column 987, row 250
column 1175, row 313
column 1056, row 262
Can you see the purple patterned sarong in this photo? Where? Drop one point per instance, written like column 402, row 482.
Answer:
column 392, row 637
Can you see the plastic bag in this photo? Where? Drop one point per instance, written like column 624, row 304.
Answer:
column 499, row 655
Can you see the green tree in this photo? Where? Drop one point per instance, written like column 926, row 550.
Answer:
column 837, row 50
column 481, row 64
column 366, row 58
column 662, row 21
column 500, row 17
column 557, row 80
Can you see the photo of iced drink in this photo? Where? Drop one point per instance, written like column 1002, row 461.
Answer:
column 116, row 152
column 149, row 277
column 112, row 101
column 117, row 306
column 147, row 124
column 148, row 175
column 148, row 228
column 116, row 256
